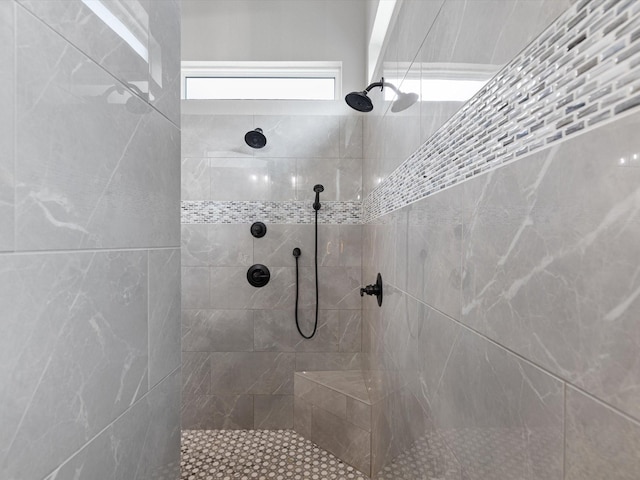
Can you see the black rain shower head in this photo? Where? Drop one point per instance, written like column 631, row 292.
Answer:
column 255, row 138
column 360, row 101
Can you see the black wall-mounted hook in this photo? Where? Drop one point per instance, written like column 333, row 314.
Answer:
column 375, row 289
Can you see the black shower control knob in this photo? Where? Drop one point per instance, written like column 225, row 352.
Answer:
column 374, row 289
column 258, row 275
column 258, row 229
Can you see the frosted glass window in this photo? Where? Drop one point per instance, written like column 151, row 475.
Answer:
column 259, row 88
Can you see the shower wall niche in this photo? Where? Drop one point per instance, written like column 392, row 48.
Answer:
column 240, row 343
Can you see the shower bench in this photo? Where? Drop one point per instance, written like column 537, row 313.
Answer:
column 336, row 410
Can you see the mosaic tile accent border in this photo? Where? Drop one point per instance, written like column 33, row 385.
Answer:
column 294, row 212
column 583, row 70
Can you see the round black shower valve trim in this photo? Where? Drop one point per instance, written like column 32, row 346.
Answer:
column 258, row 275
column 258, row 229
column 374, row 289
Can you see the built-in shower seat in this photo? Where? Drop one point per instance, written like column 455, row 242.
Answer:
column 336, row 409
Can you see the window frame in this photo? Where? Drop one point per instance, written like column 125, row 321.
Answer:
column 285, row 70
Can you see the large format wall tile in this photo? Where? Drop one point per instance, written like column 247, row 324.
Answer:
column 196, row 179
column 7, row 93
column 71, row 181
column 215, row 136
column 341, row 178
column 87, row 29
column 433, row 251
column 273, row 412
column 252, row 372
column 143, row 444
column 255, row 179
column 206, row 412
column 218, row 331
column 164, row 49
column 77, row 352
column 299, row 136
column 164, row 313
column 550, row 267
column 600, row 442
column 501, row 417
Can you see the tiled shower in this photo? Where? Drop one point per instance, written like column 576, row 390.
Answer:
column 240, row 344
column 505, row 228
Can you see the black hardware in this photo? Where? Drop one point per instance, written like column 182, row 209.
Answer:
column 318, row 189
column 258, row 229
column 296, row 252
column 375, row 289
column 258, row 275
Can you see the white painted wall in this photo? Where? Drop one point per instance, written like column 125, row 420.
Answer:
column 279, row 30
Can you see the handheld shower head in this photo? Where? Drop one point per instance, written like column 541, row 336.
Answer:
column 318, row 188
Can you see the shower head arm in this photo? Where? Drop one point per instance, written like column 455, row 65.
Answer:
column 380, row 84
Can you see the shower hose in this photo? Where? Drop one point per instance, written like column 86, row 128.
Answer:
column 296, row 254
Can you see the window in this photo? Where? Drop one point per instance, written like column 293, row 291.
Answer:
column 261, row 80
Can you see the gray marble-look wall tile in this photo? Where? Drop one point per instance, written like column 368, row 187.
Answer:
column 350, row 330
column 550, row 268
column 327, row 336
column 338, row 245
column 327, row 361
column 338, row 330
column 196, row 248
column 196, row 373
column 218, row 331
column 600, row 443
column 434, row 251
column 350, row 245
column 164, row 313
column 195, row 287
column 164, row 50
column 351, row 136
column 215, row 136
column 378, row 247
column 77, row 350
column 321, row 396
column 341, row 178
column 266, row 179
column 339, row 287
column 359, row 413
column 205, row 412
column 230, row 245
column 218, row 245
column 302, row 412
column 296, row 136
column 274, row 331
column 231, row 290
column 7, row 94
column 252, row 373
column 273, row 412
column 143, row 444
column 160, row 457
column 195, row 179
column 69, row 180
column 85, row 28
column 352, row 444
column 510, row 412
